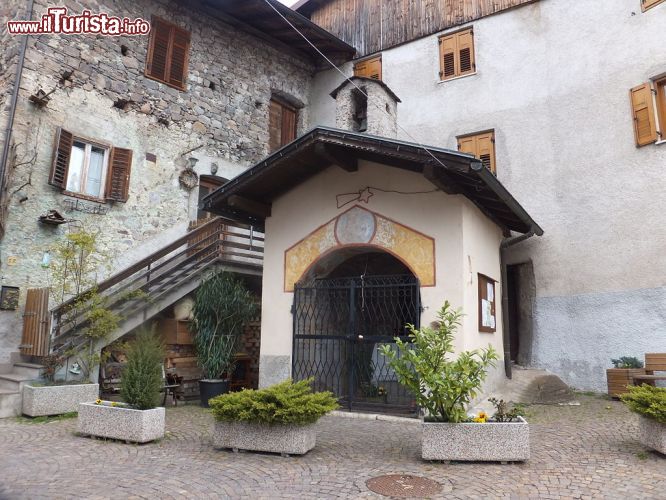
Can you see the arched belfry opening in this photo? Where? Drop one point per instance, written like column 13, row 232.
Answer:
column 348, row 304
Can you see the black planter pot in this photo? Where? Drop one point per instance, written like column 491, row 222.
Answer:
column 211, row 388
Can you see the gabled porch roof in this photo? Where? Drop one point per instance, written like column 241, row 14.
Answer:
column 248, row 197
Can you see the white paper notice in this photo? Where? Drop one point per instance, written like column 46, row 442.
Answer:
column 492, row 322
column 485, row 312
column 491, row 292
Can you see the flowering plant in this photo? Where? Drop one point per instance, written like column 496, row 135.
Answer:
column 481, row 418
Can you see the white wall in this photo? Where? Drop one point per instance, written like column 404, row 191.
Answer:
column 553, row 81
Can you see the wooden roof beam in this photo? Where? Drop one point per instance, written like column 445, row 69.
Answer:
column 337, row 158
column 252, row 207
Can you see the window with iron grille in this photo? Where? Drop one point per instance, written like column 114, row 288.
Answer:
column 481, row 145
column 456, row 54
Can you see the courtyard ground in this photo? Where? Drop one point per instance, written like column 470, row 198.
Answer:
column 586, row 451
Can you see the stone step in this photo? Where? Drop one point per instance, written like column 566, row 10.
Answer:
column 29, row 369
column 14, row 382
column 10, row 403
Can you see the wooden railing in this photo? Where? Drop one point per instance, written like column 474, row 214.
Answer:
column 136, row 287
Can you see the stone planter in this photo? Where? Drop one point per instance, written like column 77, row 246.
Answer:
column 619, row 378
column 491, row 442
column 56, row 399
column 652, row 434
column 275, row 438
column 125, row 424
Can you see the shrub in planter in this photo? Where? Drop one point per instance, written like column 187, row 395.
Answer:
column 137, row 419
column 277, row 419
column 222, row 308
column 650, row 403
column 622, row 374
column 444, row 385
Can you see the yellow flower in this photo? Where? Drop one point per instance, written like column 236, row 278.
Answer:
column 114, row 404
column 98, row 402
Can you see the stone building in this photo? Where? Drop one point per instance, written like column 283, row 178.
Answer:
column 540, row 91
column 123, row 134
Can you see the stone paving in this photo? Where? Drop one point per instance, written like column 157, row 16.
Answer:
column 586, row 451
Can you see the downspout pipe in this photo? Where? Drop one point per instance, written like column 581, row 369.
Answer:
column 12, row 106
column 506, row 337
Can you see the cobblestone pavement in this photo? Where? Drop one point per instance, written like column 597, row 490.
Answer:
column 586, row 451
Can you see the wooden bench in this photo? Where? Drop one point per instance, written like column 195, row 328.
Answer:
column 654, row 362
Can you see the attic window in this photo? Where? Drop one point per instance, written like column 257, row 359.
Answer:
column 360, row 110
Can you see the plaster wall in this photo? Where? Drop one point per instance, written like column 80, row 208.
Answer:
column 553, row 81
column 220, row 118
column 313, row 203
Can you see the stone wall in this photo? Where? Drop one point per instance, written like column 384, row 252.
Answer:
column 221, row 118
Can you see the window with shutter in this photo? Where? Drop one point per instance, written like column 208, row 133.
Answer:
column 282, row 121
column 660, row 87
column 486, row 305
column 369, row 68
column 61, row 155
column 481, row 145
column 456, row 54
column 117, row 187
column 648, row 4
column 168, row 53
column 642, row 105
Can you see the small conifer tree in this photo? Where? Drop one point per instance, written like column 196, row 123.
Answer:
column 142, row 377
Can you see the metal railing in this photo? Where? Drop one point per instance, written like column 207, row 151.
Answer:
column 135, row 288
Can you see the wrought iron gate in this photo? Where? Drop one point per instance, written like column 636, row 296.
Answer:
column 339, row 324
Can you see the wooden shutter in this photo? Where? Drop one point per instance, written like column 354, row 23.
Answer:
column 482, row 146
column 288, row 125
column 466, row 62
column 370, row 68
column 36, row 323
column 447, row 52
column 158, row 51
column 646, row 4
column 168, row 53
column 62, row 152
column 118, row 175
column 642, row 105
column 274, row 126
column 180, row 48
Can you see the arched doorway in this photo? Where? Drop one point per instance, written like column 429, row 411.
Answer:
column 351, row 302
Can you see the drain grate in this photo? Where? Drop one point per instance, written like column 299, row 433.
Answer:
column 403, row 486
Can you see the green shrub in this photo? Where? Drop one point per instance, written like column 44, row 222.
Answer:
column 647, row 401
column 142, row 376
column 285, row 403
column 627, row 362
column 441, row 386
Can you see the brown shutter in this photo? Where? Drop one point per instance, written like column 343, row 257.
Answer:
column 36, row 323
column 370, row 68
column 62, row 152
column 485, row 146
column 361, row 69
column 274, row 126
column 646, row 4
column 288, row 125
column 158, row 50
column 447, row 54
column 642, row 105
column 466, row 52
column 467, row 145
column 180, row 48
column 118, row 175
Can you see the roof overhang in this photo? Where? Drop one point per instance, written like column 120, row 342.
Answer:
column 248, row 197
column 259, row 18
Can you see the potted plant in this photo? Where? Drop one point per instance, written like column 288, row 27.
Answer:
column 222, row 308
column 650, row 404
column 278, row 419
column 52, row 396
column 443, row 387
column 138, row 419
column 622, row 374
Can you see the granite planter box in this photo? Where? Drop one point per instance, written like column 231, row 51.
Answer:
column 40, row 401
column 652, row 434
column 276, row 438
column 126, row 424
column 489, row 442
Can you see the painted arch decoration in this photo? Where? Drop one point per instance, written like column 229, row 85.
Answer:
column 359, row 227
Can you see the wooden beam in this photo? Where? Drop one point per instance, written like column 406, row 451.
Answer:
column 250, row 206
column 440, row 180
column 337, row 158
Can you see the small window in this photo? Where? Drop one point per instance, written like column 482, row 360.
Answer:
column 86, row 168
column 282, row 119
column 481, row 145
column 648, row 4
column 168, row 53
column 456, row 54
column 487, row 300
column 648, row 107
column 207, row 184
column 369, row 68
